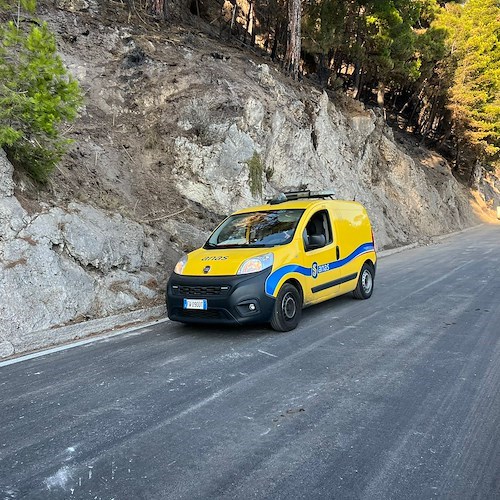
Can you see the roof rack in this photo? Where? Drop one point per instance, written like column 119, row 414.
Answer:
column 298, row 195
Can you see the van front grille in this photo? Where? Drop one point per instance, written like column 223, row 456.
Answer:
column 200, row 291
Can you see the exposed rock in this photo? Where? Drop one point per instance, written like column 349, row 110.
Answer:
column 6, row 348
column 120, row 290
column 102, row 241
column 253, row 114
column 489, row 187
column 71, row 263
column 6, row 182
column 72, row 5
column 187, row 236
column 315, row 146
column 216, row 176
column 40, row 288
column 12, row 217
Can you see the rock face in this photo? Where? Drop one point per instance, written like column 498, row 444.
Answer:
column 489, row 189
column 313, row 145
column 67, row 264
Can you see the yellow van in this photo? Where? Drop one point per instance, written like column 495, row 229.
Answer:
column 265, row 263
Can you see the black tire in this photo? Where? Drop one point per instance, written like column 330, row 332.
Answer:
column 287, row 309
column 366, row 280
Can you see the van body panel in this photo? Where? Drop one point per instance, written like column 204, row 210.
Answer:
column 222, row 262
column 355, row 241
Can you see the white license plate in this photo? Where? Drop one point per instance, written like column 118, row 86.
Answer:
column 195, row 304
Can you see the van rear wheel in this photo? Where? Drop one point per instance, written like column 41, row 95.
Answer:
column 364, row 288
column 287, row 309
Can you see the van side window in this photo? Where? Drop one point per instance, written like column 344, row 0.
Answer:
column 318, row 231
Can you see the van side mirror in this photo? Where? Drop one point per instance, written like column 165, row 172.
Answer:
column 316, row 241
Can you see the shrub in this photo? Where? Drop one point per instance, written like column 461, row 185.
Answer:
column 37, row 95
column 256, row 170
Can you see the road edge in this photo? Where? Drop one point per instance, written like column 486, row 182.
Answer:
column 96, row 328
column 433, row 240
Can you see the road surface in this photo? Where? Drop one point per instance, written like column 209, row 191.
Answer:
column 394, row 397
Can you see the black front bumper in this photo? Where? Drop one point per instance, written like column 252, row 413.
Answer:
column 228, row 298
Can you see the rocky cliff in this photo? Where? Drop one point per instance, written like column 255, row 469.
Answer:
column 178, row 131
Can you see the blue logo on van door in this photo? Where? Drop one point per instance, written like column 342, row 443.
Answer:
column 318, row 269
column 314, row 270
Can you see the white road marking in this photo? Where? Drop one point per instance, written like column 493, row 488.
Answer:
column 80, row 343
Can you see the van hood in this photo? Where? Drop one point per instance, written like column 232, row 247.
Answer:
column 222, row 262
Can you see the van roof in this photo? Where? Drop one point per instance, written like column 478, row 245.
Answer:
column 300, row 204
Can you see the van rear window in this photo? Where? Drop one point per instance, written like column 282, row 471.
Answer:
column 256, row 229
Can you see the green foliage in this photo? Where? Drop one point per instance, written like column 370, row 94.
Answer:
column 392, row 38
column 256, row 170
column 38, row 160
column 385, row 37
column 474, row 55
column 443, row 60
column 431, row 48
column 36, row 95
column 323, row 25
column 26, row 5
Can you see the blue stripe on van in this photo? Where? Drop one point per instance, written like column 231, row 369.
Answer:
column 275, row 277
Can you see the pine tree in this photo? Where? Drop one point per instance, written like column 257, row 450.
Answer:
column 37, row 94
column 474, row 48
column 323, row 26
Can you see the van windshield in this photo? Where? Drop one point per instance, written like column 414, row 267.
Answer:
column 256, row 229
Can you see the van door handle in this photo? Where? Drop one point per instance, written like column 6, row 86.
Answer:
column 338, row 252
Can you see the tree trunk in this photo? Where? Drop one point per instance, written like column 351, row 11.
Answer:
column 277, row 36
column 337, row 62
column 249, row 28
column 358, row 72
column 322, row 71
column 413, row 97
column 430, row 122
column 395, row 97
column 268, row 32
column 158, row 8
column 381, row 94
column 292, row 56
column 233, row 18
column 445, row 137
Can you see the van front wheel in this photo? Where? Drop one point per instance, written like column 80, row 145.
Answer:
column 364, row 288
column 287, row 309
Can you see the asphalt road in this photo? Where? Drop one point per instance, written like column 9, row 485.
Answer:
column 394, row 397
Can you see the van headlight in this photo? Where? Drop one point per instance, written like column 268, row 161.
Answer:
column 256, row 264
column 179, row 267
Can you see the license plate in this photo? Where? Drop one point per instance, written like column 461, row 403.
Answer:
column 195, row 304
